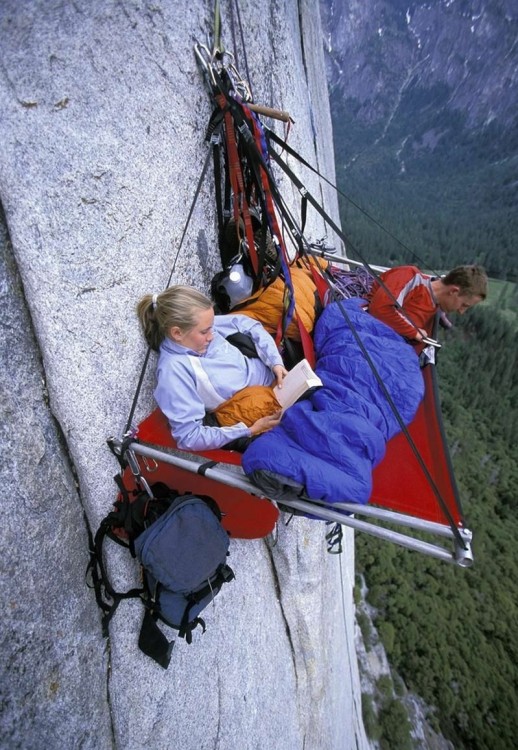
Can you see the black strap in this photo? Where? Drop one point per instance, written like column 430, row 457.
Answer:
column 284, row 145
column 334, row 539
column 203, row 468
column 303, row 217
column 224, row 574
column 186, row 630
column 153, row 642
column 101, row 584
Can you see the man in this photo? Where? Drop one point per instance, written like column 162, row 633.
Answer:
column 408, row 299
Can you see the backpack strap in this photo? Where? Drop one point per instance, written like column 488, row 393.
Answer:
column 132, row 516
column 107, row 598
column 153, row 642
column 223, row 574
column 187, row 628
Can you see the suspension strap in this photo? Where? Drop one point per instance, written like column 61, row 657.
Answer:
column 284, row 146
column 148, row 353
column 304, row 191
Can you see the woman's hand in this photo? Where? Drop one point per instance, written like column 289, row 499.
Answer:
column 280, row 373
column 266, row 423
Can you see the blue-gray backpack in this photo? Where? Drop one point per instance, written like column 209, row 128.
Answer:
column 182, row 547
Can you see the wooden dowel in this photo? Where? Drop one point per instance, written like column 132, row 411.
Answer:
column 277, row 114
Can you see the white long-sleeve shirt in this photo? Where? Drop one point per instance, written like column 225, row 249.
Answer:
column 189, row 383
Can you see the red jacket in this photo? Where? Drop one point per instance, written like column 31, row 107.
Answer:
column 412, row 290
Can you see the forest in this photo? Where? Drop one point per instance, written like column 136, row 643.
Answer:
column 443, row 197
column 451, row 633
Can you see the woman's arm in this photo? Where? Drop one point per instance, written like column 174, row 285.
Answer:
column 264, row 343
column 177, row 397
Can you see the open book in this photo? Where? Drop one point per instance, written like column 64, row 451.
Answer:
column 297, row 382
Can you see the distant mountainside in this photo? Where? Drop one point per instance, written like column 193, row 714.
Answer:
column 461, row 54
column 425, row 111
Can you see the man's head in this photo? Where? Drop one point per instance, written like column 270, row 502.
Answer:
column 463, row 287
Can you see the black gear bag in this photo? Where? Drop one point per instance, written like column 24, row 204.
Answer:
column 182, row 548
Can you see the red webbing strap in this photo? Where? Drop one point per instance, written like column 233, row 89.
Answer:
column 237, row 182
column 321, row 285
column 307, row 343
column 305, row 338
column 265, row 182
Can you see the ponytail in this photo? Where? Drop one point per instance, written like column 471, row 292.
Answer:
column 146, row 311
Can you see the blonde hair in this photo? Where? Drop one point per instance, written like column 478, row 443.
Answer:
column 176, row 306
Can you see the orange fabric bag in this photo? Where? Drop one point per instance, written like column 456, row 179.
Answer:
column 247, row 405
column 266, row 304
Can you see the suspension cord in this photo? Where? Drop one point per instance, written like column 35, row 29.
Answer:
column 284, row 145
column 148, row 353
column 235, row 4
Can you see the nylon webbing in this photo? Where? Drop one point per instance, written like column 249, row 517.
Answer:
column 284, row 145
column 316, row 205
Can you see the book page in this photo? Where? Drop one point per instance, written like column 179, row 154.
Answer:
column 298, row 380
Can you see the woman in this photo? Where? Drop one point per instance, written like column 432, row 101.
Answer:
column 199, row 370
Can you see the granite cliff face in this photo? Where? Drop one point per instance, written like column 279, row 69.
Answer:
column 459, row 53
column 103, row 115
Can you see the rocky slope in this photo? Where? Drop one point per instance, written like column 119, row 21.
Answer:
column 102, row 131
column 460, row 54
column 424, row 102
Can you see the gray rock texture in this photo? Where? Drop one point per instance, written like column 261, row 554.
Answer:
column 102, row 119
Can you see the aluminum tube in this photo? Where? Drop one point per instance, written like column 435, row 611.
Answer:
column 391, row 516
column 231, row 478
column 240, row 481
column 341, row 259
column 326, row 513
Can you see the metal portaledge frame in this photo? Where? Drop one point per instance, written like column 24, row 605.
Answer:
column 343, row 260
column 390, row 516
column 336, row 512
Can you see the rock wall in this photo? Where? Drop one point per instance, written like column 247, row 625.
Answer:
column 103, row 113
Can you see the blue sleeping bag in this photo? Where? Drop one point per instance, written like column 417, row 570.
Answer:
column 327, row 445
